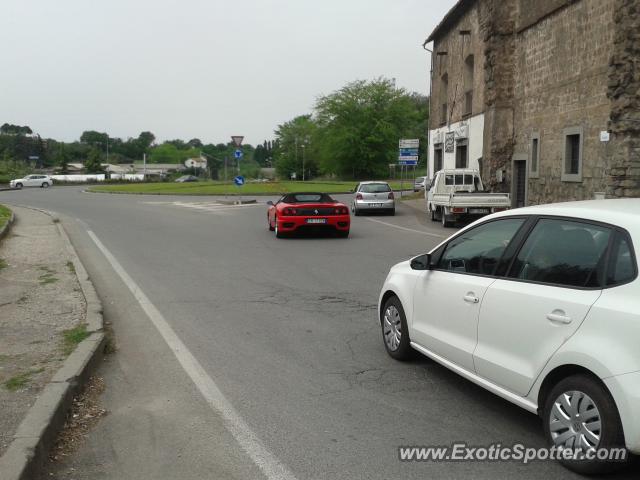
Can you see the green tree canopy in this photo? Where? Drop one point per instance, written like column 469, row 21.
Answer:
column 360, row 126
column 297, row 141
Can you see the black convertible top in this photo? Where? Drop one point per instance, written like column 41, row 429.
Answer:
column 307, row 197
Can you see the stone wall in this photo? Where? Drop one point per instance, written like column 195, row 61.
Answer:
column 560, row 82
column 497, row 25
column 623, row 176
column 458, row 47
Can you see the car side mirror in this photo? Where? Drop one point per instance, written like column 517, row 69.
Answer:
column 422, row 262
column 270, row 203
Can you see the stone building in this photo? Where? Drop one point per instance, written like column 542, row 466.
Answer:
column 543, row 97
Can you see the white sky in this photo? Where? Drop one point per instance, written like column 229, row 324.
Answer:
column 199, row 68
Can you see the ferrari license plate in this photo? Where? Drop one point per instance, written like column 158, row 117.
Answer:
column 478, row 210
column 316, row 220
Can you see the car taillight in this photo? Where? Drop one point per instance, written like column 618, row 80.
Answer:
column 359, row 196
column 390, row 196
column 497, row 209
column 458, row 210
column 289, row 211
column 341, row 211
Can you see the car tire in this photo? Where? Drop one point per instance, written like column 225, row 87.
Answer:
column 45, row 185
column 395, row 335
column 343, row 233
column 445, row 223
column 271, row 227
column 19, row 186
column 356, row 212
column 392, row 212
column 433, row 215
column 608, row 426
column 279, row 234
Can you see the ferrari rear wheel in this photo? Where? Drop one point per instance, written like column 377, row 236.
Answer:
column 271, row 227
column 279, row 234
column 343, row 233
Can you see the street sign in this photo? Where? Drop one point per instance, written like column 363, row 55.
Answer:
column 407, row 162
column 408, row 152
column 409, row 143
column 237, row 140
column 238, row 154
column 239, row 180
column 413, row 158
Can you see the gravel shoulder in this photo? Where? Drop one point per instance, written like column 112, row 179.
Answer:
column 41, row 311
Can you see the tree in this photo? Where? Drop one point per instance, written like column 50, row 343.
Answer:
column 93, row 164
column 360, row 126
column 91, row 137
column 145, row 140
column 61, row 159
column 194, row 143
column 297, row 144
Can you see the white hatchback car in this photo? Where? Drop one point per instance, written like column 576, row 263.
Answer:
column 43, row 181
column 541, row 306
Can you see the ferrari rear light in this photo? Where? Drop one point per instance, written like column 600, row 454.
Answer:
column 359, row 196
column 341, row 211
column 390, row 195
column 458, row 210
column 289, row 211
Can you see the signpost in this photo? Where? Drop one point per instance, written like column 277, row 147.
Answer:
column 407, row 155
column 239, row 179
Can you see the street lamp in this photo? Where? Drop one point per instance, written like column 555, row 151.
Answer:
column 303, row 149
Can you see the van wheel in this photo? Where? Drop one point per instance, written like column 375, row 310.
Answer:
column 433, row 215
column 445, row 223
column 580, row 413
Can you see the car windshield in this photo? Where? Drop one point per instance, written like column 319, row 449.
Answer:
column 420, row 179
column 308, row 198
column 375, row 188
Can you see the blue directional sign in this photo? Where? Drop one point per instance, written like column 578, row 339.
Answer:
column 407, row 162
column 239, row 180
column 238, row 154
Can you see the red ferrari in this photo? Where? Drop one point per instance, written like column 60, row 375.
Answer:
column 308, row 212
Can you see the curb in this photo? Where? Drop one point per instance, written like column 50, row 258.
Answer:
column 4, row 231
column 37, row 433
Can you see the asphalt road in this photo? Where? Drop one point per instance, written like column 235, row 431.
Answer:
column 286, row 330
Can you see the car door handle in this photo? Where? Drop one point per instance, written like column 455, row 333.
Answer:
column 558, row 317
column 470, row 298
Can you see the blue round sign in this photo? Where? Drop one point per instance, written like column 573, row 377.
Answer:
column 238, row 154
column 239, row 180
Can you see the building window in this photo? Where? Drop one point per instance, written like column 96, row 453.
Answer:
column 462, row 154
column 534, row 160
column 444, row 84
column 438, row 157
column 572, row 155
column 468, row 85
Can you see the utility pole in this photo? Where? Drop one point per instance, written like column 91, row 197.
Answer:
column 303, row 150
column 144, row 167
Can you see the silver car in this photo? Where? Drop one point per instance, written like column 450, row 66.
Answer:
column 373, row 197
column 421, row 183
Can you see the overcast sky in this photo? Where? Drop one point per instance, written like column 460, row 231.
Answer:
column 199, row 68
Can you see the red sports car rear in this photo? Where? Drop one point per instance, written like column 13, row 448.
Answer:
column 308, row 212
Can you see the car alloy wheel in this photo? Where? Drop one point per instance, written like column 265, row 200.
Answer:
column 271, row 227
column 279, row 234
column 575, row 421
column 19, row 186
column 45, row 185
column 392, row 328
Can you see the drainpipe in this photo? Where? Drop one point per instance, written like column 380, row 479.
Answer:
column 424, row 45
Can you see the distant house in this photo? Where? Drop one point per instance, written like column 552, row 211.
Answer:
column 196, row 162
column 158, row 169
column 75, row 167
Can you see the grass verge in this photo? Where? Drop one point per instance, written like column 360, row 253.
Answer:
column 19, row 381
column 72, row 337
column 220, row 188
column 5, row 215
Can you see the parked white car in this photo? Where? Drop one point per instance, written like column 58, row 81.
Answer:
column 541, row 306
column 421, row 183
column 458, row 195
column 43, row 181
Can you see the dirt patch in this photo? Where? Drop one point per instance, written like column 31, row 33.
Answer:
column 40, row 300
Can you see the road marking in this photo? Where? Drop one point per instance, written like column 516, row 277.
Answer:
column 246, row 438
column 206, row 206
column 405, row 228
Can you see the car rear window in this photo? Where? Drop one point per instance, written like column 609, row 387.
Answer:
column 563, row 252
column 375, row 188
column 308, row 197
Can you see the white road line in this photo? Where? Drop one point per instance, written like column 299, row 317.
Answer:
column 405, row 228
column 246, row 438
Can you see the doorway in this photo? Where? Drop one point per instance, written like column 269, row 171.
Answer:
column 519, row 183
